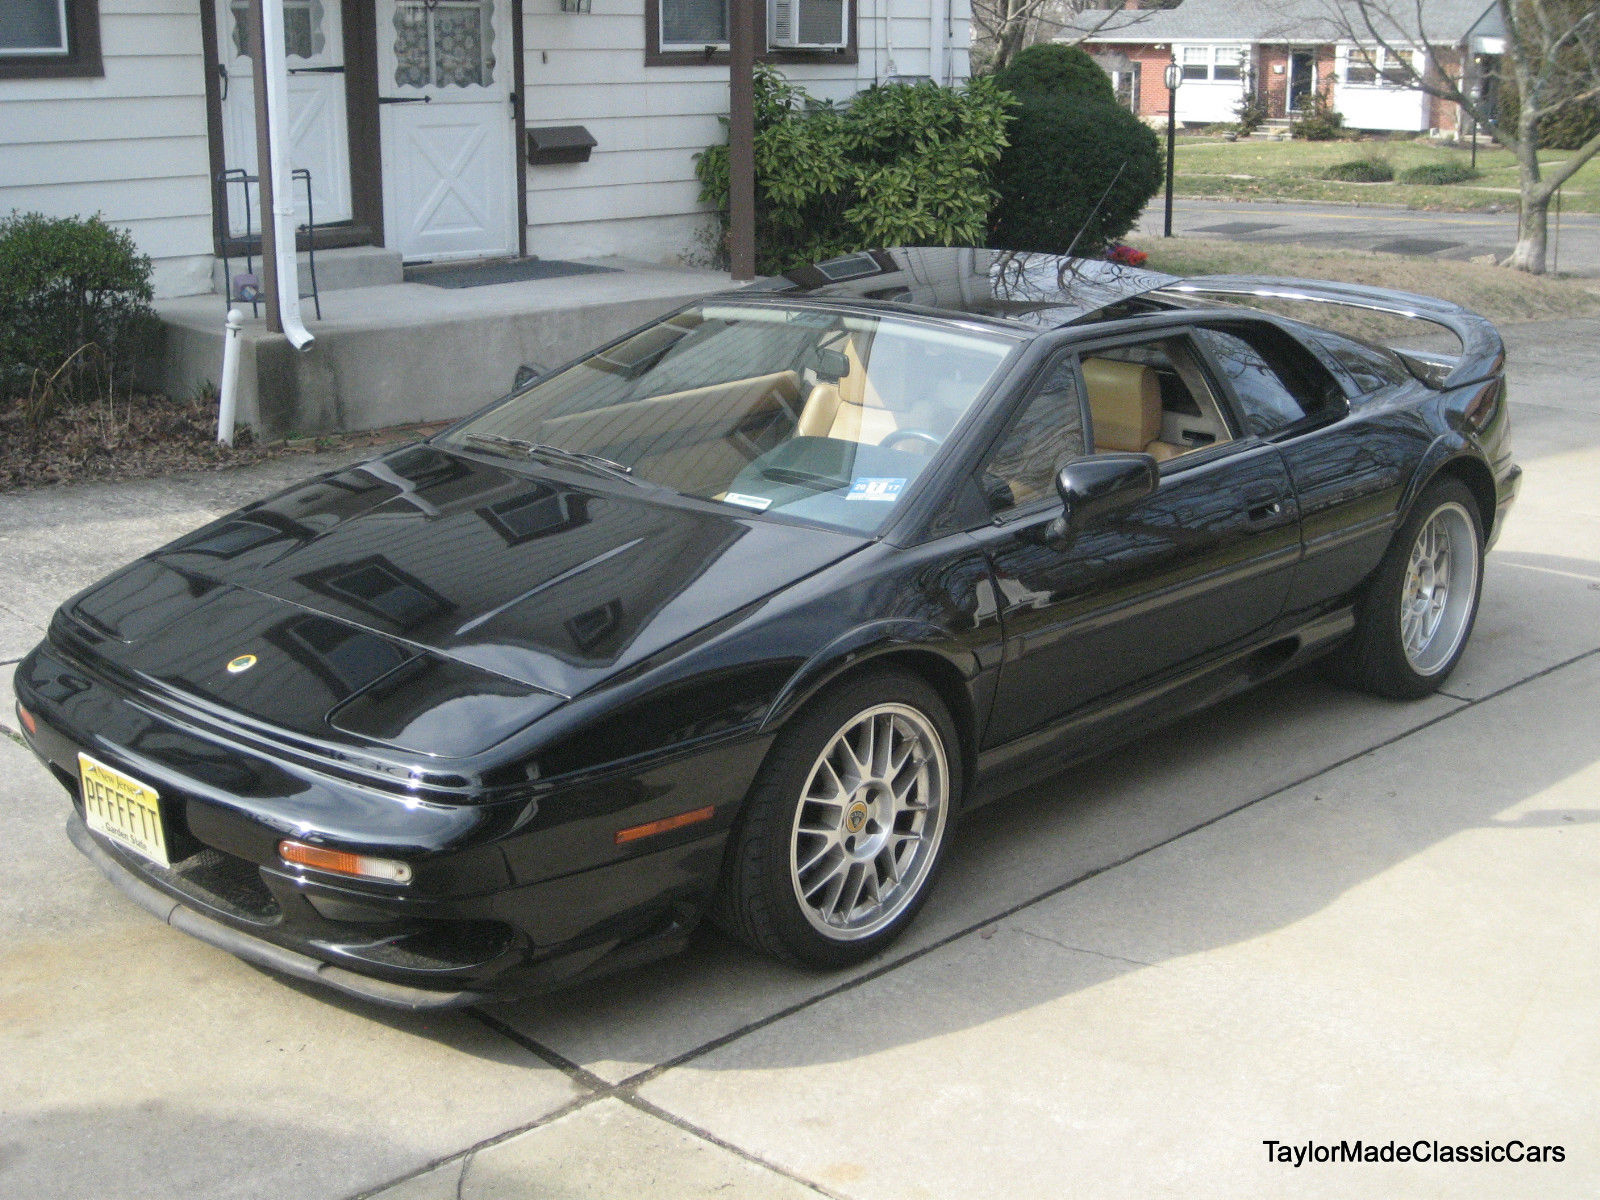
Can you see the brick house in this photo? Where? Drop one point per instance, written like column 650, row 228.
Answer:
column 1288, row 50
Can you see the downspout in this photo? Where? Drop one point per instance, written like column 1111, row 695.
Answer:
column 938, row 41
column 275, row 71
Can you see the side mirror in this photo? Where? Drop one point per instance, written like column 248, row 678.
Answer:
column 1097, row 485
column 527, row 373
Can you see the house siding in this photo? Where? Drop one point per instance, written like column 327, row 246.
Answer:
column 637, row 195
column 66, row 149
column 132, row 145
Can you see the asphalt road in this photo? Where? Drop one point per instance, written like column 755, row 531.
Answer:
column 1411, row 232
column 1304, row 916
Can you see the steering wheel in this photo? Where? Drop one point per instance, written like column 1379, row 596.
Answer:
column 932, row 440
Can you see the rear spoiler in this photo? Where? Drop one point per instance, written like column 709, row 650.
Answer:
column 1483, row 354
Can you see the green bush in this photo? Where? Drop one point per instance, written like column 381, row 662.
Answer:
column 1320, row 121
column 74, row 305
column 1251, row 112
column 1361, row 170
column 1064, row 154
column 1568, row 128
column 900, row 166
column 1051, row 69
column 1438, row 174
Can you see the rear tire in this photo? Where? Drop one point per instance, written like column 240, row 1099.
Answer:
column 1414, row 619
column 844, row 830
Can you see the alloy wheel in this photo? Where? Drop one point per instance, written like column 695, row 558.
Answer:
column 1440, row 586
column 869, row 822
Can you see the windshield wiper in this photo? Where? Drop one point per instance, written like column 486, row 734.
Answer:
column 546, row 450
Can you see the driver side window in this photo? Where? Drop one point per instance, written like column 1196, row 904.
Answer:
column 1045, row 432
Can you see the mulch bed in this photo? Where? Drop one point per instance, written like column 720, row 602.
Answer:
column 146, row 435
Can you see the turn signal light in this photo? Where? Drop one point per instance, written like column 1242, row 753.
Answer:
column 634, row 832
column 28, row 722
column 342, row 862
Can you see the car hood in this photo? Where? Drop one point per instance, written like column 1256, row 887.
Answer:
column 427, row 573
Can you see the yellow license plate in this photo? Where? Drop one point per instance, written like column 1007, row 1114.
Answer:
column 123, row 809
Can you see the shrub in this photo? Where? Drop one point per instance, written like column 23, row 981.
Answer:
column 1361, row 170
column 900, row 166
column 1063, row 156
column 1439, row 173
column 1251, row 112
column 1051, row 69
column 1568, row 128
column 1320, row 122
column 74, row 305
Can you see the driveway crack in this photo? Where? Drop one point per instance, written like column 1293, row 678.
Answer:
column 1137, row 962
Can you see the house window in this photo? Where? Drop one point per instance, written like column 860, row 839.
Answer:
column 1374, row 67
column 444, row 43
column 693, row 24
column 302, row 28
column 1212, row 64
column 695, row 32
column 49, row 38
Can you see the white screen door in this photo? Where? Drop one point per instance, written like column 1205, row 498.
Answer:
column 313, row 35
column 444, row 89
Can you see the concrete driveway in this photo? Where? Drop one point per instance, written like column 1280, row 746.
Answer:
column 1304, row 917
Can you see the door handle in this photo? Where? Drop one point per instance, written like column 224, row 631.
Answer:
column 316, row 70
column 405, row 99
column 222, row 77
column 1263, row 514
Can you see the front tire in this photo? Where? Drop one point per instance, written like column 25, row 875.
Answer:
column 1413, row 622
column 845, row 827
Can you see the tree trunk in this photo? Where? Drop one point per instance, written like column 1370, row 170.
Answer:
column 1012, row 35
column 1535, row 198
column 1530, row 251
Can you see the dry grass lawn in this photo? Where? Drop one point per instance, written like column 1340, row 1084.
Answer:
column 1500, row 294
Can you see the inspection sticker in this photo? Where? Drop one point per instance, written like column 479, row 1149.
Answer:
column 865, row 488
column 756, row 502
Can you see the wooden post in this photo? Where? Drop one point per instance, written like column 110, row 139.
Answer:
column 741, row 139
column 269, row 258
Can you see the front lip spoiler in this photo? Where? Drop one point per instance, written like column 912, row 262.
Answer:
column 254, row 950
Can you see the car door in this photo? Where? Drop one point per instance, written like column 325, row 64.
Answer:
column 1200, row 566
column 1350, row 470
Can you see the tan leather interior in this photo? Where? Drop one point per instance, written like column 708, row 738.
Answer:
column 851, row 410
column 1125, row 403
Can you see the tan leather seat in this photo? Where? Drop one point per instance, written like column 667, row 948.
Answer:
column 850, row 410
column 1125, row 402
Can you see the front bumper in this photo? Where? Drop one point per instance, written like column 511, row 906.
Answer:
column 256, row 950
column 508, row 899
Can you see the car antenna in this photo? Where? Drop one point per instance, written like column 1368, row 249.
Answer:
column 1095, row 211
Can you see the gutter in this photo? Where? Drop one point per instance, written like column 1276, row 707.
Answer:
column 275, row 65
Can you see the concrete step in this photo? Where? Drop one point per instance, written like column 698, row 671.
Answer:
column 404, row 352
column 338, row 270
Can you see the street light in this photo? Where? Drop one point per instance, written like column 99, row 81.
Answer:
column 1173, row 79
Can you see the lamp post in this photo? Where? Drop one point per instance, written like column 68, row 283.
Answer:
column 1173, row 79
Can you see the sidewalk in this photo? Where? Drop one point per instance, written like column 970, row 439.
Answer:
column 1306, row 915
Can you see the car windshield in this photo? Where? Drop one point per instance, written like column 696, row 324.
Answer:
column 809, row 412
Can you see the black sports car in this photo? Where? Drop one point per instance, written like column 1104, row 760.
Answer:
column 739, row 613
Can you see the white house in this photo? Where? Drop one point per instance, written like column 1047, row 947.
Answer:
column 440, row 129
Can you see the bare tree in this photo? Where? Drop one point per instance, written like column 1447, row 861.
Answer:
column 1552, row 54
column 1003, row 28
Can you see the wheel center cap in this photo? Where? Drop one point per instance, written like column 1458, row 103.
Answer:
column 855, row 817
